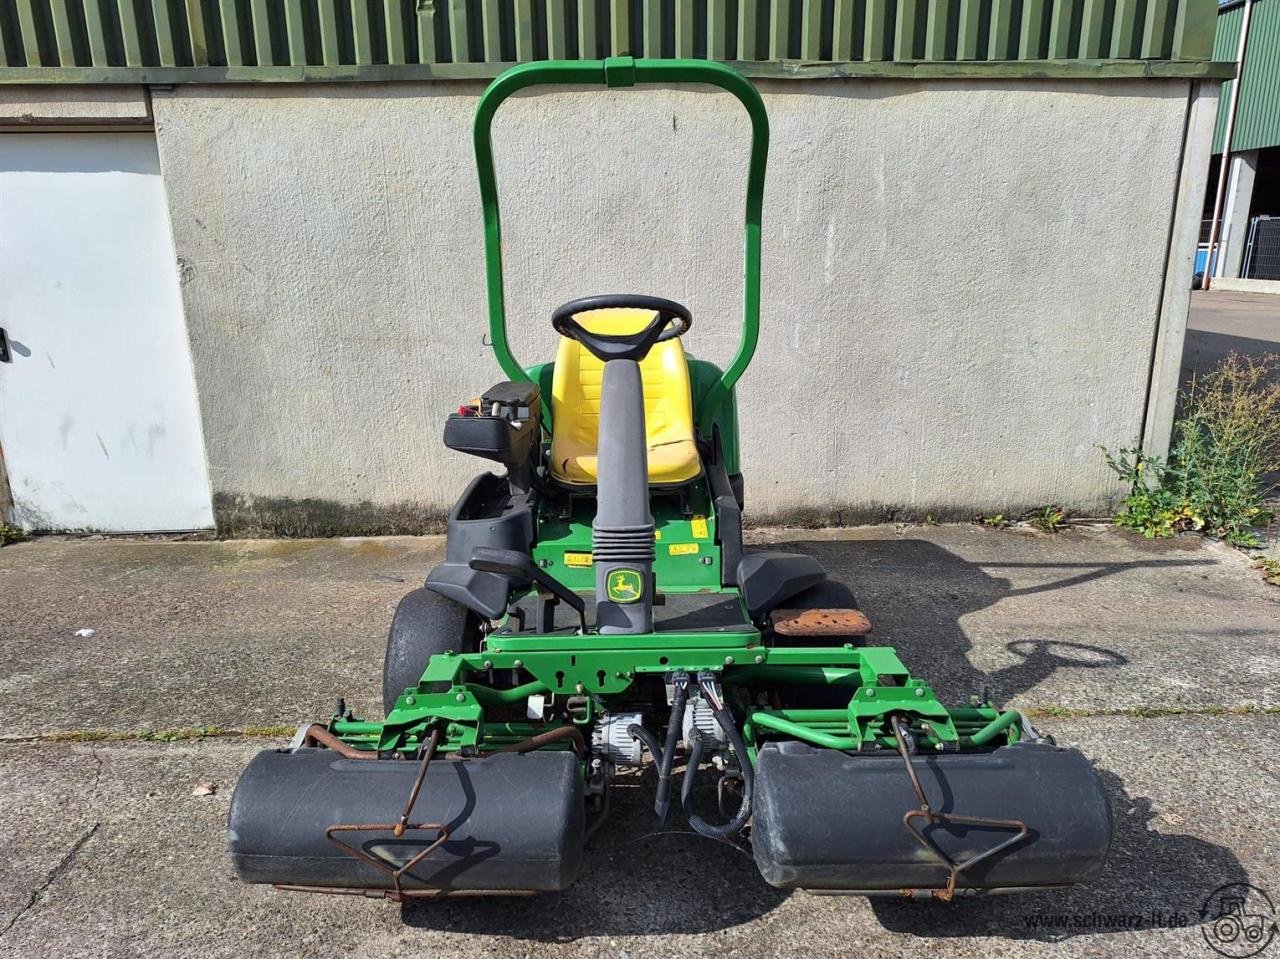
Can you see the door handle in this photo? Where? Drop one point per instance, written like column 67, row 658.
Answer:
column 5, row 355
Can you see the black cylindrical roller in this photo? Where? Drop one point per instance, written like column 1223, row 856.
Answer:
column 830, row 820
column 515, row 821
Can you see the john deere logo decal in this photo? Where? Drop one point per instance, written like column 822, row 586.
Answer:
column 625, row 585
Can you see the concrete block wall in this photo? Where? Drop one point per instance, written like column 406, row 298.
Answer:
column 962, row 280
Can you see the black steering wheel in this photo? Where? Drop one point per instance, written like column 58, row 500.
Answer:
column 673, row 319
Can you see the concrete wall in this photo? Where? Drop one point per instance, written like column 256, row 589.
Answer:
column 962, row 280
column 54, row 105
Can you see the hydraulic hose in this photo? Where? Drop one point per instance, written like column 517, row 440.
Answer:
column 735, row 825
column 667, row 758
column 648, row 740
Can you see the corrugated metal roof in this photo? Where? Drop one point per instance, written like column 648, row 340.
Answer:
column 1258, row 116
column 174, row 41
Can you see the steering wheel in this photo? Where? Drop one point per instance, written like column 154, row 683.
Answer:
column 672, row 320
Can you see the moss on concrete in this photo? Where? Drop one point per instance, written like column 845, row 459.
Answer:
column 239, row 516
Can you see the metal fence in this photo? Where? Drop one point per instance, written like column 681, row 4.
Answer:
column 1262, row 249
column 174, row 40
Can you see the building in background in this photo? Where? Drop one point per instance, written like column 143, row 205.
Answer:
column 1249, row 243
column 241, row 261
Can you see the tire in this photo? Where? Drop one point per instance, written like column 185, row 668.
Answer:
column 426, row 624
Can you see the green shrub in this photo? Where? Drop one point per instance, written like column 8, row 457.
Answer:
column 9, row 534
column 1049, row 519
column 1224, row 444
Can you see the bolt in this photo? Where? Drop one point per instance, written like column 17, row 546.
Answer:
column 938, row 747
column 728, row 660
column 410, row 700
column 870, row 693
column 488, row 664
column 759, row 660
column 580, row 688
column 919, row 691
column 461, row 697
column 518, row 664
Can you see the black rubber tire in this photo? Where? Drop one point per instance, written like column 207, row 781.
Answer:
column 425, row 625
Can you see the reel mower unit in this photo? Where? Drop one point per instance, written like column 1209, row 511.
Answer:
column 596, row 603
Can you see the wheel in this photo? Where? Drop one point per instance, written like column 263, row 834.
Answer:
column 425, row 625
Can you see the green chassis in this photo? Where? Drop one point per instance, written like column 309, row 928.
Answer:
column 589, row 666
column 600, row 669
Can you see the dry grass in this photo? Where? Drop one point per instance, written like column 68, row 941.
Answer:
column 1226, row 448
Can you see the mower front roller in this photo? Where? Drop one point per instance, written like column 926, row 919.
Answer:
column 1027, row 815
column 310, row 818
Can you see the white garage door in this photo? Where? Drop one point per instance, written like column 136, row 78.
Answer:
column 99, row 425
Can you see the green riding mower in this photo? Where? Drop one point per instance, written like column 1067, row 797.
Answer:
column 596, row 603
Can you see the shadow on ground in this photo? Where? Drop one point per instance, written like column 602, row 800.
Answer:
column 916, row 593
column 1151, row 881
column 638, row 878
column 643, row 879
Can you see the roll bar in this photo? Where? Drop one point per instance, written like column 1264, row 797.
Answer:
column 625, row 72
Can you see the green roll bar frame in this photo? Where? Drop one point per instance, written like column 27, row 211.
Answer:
column 625, row 72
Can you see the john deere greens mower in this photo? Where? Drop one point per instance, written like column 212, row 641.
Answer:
column 596, row 603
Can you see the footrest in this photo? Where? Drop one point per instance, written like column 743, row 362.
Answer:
column 818, row 623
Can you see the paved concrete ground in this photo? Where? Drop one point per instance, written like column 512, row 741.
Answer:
column 111, row 854
column 1222, row 323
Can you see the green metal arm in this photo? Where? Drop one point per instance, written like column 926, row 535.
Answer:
column 625, row 72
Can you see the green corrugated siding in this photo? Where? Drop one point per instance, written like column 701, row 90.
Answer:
column 186, row 40
column 1258, row 115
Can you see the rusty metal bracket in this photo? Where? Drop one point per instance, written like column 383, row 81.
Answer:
column 397, row 829
column 820, row 622
column 929, row 818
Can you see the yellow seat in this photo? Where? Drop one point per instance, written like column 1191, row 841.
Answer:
column 575, row 404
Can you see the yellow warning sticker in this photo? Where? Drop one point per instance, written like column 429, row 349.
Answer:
column 699, row 526
column 682, row 549
column 577, row 559
column 657, row 534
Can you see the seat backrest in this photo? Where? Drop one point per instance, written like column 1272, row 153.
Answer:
column 576, row 387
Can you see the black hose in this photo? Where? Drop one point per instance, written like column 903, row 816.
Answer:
column 735, row 825
column 648, row 740
column 667, row 758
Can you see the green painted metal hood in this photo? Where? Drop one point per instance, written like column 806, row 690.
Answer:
column 209, row 41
